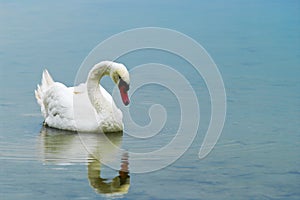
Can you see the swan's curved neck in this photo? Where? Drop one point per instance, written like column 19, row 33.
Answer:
column 96, row 97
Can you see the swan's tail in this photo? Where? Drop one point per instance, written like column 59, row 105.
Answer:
column 47, row 81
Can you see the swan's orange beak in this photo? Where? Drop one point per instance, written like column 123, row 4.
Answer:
column 124, row 87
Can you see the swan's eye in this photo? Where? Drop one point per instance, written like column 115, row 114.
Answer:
column 119, row 76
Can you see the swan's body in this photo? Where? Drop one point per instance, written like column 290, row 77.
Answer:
column 87, row 107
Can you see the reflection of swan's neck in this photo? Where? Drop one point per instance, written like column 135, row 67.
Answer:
column 93, row 86
column 117, row 186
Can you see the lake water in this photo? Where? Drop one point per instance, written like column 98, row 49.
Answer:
column 256, row 46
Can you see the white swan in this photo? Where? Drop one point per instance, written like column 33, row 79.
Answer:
column 87, row 107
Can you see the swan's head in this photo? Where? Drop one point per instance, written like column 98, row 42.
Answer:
column 120, row 76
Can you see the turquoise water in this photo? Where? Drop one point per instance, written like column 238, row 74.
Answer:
column 254, row 44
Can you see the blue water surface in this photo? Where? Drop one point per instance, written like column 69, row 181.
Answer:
column 256, row 46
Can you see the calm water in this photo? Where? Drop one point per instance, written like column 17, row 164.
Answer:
column 256, row 47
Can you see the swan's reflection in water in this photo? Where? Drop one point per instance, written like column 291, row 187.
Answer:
column 59, row 147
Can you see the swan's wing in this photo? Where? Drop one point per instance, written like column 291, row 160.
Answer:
column 46, row 83
column 58, row 106
column 56, row 102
